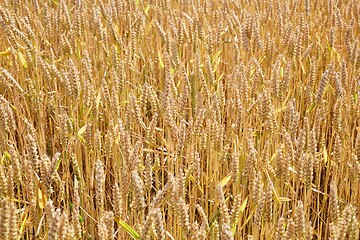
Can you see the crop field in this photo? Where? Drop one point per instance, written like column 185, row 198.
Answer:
column 179, row 119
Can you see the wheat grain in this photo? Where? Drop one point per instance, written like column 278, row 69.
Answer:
column 153, row 104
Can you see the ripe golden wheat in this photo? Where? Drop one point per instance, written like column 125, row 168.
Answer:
column 179, row 119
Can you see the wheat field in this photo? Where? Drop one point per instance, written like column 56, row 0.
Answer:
column 179, row 119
